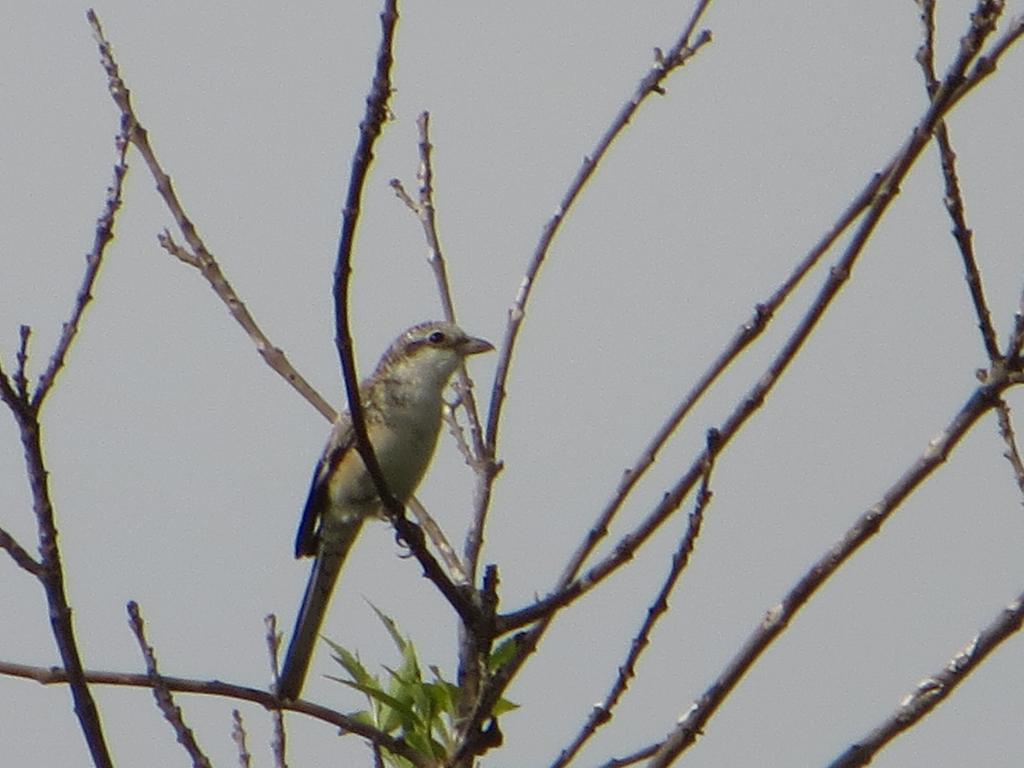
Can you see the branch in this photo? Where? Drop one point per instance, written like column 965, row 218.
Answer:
column 279, row 741
column 953, row 199
column 601, row 714
column 50, row 571
column 1012, row 452
column 429, row 525
column 653, row 82
column 164, row 700
column 20, row 555
column 746, row 334
column 265, row 699
column 933, row 690
column 93, row 260
column 867, row 525
column 25, row 407
column 238, row 736
column 369, row 130
column 953, row 88
column 479, row 457
column 885, row 192
column 198, row 257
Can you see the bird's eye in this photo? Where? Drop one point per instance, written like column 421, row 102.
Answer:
column 437, row 337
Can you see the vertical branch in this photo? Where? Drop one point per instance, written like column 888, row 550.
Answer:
column 279, row 740
column 953, row 198
column 25, row 406
column 162, row 693
column 477, row 455
column 369, row 130
column 52, row 578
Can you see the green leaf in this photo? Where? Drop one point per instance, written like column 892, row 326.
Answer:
column 502, row 654
column 503, row 706
column 401, row 709
column 350, row 663
column 391, row 627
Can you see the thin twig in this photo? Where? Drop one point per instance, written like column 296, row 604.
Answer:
column 21, row 364
column 962, row 234
column 279, row 741
column 238, row 736
column 1012, row 452
column 953, row 199
column 19, row 554
column 632, row 759
column 200, row 257
column 746, row 334
column 93, row 260
column 369, row 130
column 601, row 714
column 51, row 570
column 653, row 82
column 162, row 694
column 477, row 456
column 439, row 540
column 933, row 690
column 474, row 645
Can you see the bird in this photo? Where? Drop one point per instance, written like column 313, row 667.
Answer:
column 402, row 403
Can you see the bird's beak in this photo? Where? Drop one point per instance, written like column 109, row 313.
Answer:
column 474, row 346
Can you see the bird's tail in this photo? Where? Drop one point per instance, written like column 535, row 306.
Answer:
column 334, row 546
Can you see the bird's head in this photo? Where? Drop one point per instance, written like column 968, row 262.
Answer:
column 428, row 354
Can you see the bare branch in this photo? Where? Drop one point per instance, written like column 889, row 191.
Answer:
column 1012, row 452
column 479, row 458
column 238, row 736
column 632, row 759
column 651, row 83
column 200, row 257
column 933, row 690
column 601, row 714
column 885, row 192
column 369, row 130
column 950, row 92
column 93, row 260
column 868, row 524
column 49, row 570
column 953, row 199
column 744, row 337
column 21, row 358
column 164, row 700
column 20, row 555
column 279, row 741
column 440, row 541
column 265, row 699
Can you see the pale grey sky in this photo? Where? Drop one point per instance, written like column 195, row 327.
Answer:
column 179, row 462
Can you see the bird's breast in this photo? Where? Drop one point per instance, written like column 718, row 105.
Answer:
column 403, row 445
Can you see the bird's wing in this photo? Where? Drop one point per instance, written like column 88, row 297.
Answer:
column 341, row 441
